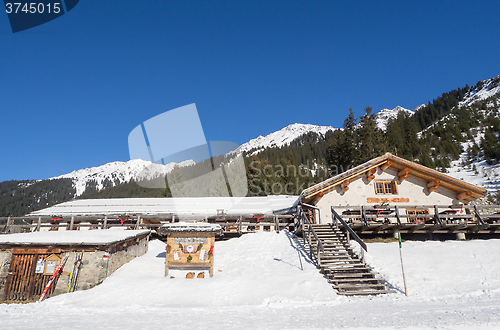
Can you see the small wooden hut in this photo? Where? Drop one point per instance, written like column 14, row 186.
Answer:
column 28, row 260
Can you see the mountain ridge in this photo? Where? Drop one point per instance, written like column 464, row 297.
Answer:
column 481, row 102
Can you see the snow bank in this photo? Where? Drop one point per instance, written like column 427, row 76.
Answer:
column 258, row 284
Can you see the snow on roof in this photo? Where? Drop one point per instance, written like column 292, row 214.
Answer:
column 99, row 237
column 184, row 206
column 192, row 226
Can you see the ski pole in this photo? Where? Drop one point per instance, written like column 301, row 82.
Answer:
column 402, row 266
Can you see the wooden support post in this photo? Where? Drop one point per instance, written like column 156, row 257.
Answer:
column 335, row 219
column 478, row 216
column 398, row 219
column 138, row 222
column 437, row 220
column 71, row 224
column 38, row 224
column 6, row 228
column 309, row 240
column 105, row 224
column 363, row 217
column 239, row 225
column 276, row 224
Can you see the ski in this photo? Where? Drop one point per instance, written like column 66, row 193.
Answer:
column 73, row 278
column 53, row 277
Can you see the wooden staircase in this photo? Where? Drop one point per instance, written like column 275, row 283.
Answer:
column 343, row 268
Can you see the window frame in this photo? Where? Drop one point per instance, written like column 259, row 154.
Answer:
column 387, row 188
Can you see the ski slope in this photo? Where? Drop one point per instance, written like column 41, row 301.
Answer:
column 258, row 284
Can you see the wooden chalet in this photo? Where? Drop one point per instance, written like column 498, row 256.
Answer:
column 391, row 190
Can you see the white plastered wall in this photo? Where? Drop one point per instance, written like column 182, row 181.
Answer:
column 360, row 190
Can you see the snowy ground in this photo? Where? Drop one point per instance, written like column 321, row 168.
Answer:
column 258, row 284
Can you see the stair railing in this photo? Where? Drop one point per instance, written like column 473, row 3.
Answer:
column 352, row 233
column 303, row 220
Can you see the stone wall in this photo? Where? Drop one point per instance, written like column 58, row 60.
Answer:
column 5, row 258
column 95, row 268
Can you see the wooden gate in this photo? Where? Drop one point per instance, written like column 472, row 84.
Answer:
column 23, row 284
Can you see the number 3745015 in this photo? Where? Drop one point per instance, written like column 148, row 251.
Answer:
column 32, row 8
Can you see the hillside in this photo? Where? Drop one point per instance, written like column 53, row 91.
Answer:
column 458, row 133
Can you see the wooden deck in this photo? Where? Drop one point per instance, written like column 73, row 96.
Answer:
column 421, row 219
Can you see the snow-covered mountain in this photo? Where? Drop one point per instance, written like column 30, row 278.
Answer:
column 118, row 172
column 282, row 137
column 481, row 91
column 115, row 173
column 383, row 116
column 122, row 172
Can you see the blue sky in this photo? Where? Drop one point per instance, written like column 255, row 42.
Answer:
column 72, row 90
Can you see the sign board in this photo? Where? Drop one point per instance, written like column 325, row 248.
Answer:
column 190, row 251
column 51, row 263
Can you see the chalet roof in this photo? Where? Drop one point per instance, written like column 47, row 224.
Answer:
column 464, row 191
column 84, row 237
column 196, row 207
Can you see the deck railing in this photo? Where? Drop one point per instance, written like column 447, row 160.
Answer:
column 452, row 218
column 29, row 224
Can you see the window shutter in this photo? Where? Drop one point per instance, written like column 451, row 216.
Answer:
column 394, row 187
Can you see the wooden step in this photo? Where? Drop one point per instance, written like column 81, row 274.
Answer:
column 346, row 267
column 340, row 259
column 351, row 275
column 364, row 293
column 356, row 280
column 359, row 286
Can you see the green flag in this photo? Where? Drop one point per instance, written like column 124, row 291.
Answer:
column 399, row 238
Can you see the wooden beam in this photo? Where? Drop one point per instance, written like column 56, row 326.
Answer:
column 370, row 174
column 402, row 178
column 386, row 165
column 431, row 189
column 404, row 172
column 433, row 183
column 463, row 195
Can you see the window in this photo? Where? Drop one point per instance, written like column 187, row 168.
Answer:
column 386, row 187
